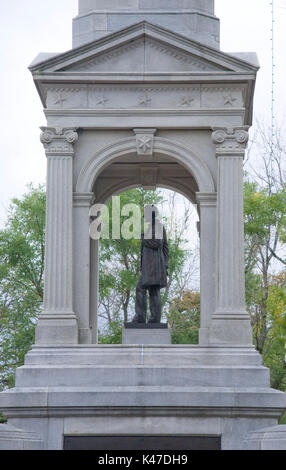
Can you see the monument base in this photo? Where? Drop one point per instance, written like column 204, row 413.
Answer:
column 181, row 391
column 16, row 439
column 146, row 333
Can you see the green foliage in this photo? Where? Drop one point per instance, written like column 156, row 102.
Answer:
column 184, row 318
column 3, row 420
column 274, row 357
column 113, row 335
column 264, row 210
column 21, row 279
column 266, row 293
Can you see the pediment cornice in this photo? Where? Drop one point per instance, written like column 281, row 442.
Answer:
column 180, row 47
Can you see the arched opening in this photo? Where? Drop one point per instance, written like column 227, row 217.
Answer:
column 119, row 268
column 172, row 167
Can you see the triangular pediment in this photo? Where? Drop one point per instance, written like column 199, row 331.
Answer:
column 145, row 55
column 143, row 48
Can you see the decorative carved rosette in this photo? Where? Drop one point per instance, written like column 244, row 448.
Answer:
column 231, row 140
column 58, row 141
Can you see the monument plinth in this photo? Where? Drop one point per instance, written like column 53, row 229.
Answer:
column 192, row 18
column 146, row 333
column 145, row 86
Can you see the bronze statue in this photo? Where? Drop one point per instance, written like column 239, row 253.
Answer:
column 154, row 268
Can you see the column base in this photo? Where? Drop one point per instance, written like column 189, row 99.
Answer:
column 231, row 329
column 84, row 336
column 204, row 336
column 57, row 328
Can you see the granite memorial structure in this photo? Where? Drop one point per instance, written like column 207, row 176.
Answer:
column 144, row 98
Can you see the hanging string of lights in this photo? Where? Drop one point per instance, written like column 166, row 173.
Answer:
column 272, row 142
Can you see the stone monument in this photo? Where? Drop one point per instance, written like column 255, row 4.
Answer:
column 145, row 98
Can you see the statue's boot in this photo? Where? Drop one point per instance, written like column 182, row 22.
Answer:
column 139, row 319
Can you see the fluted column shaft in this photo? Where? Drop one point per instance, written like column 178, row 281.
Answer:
column 207, row 203
column 230, row 322
column 94, row 289
column 81, row 265
column 58, row 323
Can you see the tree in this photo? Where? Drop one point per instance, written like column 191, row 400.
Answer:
column 184, row 318
column 21, row 279
column 265, row 223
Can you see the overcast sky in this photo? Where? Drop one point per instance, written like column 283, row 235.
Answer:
column 28, row 27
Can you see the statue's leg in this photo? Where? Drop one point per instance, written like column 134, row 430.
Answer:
column 155, row 304
column 141, row 304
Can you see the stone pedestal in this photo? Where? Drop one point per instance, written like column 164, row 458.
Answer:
column 17, row 439
column 134, row 390
column 193, row 18
column 156, row 334
column 273, row 438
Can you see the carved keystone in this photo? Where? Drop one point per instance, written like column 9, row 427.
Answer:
column 145, row 141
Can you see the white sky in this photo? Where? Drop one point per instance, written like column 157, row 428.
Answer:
column 28, row 27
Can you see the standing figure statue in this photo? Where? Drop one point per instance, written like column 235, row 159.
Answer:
column 154, row 268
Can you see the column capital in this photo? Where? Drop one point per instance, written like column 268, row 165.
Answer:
column 59, row 141
column 230, row 141
column 83, row 199
column 206, row 199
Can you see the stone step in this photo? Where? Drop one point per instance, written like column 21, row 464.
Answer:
column 92, row 376
column 181, row 355
column 18, row 439
column 78, row 400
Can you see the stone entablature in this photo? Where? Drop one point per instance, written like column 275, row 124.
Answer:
column 132, row 96
column 110, row 78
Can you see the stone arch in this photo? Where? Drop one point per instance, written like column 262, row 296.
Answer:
column 122, row 188
column 171, row 148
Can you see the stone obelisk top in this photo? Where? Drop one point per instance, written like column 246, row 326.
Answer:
column 192, row 18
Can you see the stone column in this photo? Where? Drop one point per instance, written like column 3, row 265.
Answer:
column 230, row 322
column 207, row 209
column 94, row 286
column 81, row 265
column 58, row 322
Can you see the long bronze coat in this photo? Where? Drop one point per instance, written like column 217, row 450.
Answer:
column 154, row 261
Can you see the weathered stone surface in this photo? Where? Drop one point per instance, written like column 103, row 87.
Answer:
column 272, row 438
column 148, row 336
column 17, row 439
column 192, row 18
column 202, row 5
column 156, row 389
